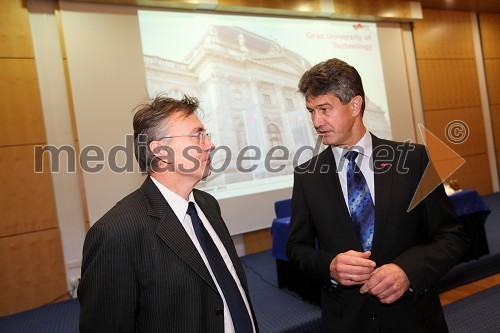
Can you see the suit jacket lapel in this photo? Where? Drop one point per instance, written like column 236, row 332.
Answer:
column 173, row 233
column 383, row 189
column 339, row 211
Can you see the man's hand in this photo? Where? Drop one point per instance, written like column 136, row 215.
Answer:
column 388, row 283
column 352, row 267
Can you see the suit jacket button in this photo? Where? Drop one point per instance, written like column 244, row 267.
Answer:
column 219, row 312
column 373, row 316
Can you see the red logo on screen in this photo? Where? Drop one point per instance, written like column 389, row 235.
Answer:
column 357, row 26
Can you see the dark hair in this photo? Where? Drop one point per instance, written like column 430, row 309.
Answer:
column 149, row 125
column 333, row 76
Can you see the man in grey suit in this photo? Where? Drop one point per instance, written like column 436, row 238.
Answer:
column 145, row 267
column 350, row 223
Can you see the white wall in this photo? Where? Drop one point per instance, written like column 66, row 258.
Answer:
column 58, row 128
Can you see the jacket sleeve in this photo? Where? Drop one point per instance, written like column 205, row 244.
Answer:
column 445, row 240
column 107, row 292
column 301, row 245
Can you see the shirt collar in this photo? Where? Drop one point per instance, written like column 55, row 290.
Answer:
column 178, row 204
column 363, row 147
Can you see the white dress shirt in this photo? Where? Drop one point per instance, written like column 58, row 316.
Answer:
column 179, row 205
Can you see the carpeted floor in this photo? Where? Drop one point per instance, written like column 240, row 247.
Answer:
column 478, row 313
column 277, row 310
column 60, row 317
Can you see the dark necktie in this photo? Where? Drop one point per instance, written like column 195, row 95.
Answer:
column 239, row 313
column 360, row 202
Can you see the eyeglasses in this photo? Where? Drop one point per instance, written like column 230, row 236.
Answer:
column 202, row 136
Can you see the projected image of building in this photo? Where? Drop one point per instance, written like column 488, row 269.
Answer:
column 247, row 85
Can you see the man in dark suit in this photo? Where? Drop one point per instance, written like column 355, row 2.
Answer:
column 162, row 260
column 379, row 261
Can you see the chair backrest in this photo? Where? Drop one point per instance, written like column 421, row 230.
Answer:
column 283, row 208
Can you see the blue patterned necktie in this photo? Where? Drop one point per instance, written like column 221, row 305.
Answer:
column 239, row 313
column 360, row 202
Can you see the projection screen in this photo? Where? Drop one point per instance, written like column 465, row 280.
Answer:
column 245, row 70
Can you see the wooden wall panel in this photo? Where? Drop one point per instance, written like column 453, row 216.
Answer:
column 26, row 200
column 448, row 84
column 495, row 122
column 492, row 68
column 475, row 174
column 475, row 142
column 15, row 33
column 257, row 241
column 33, row 271
column 490, row 34
column 21, row 117
column 443, row 35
